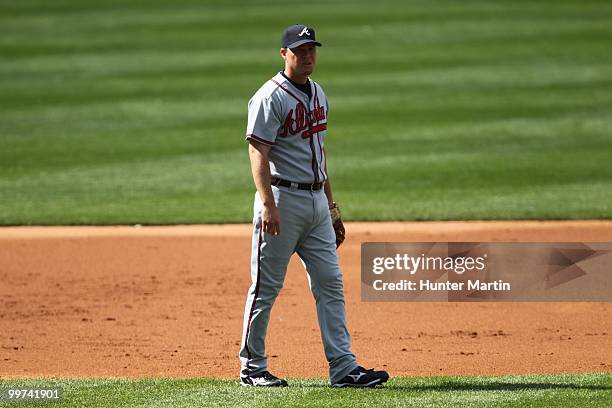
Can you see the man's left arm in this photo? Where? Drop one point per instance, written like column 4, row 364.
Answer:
column 334, row 210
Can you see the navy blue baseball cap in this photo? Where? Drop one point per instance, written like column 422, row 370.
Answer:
column 298, row 34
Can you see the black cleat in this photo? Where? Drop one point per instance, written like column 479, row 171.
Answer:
column 264, row 379
column 360, row 377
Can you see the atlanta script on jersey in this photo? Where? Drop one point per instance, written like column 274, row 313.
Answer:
column 282, row 116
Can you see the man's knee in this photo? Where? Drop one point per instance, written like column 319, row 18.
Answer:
column 329, row 278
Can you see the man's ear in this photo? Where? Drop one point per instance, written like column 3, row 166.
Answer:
column 283, row 53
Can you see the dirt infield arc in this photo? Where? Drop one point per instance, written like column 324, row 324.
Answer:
column 168, row 301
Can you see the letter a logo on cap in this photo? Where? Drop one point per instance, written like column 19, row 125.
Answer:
column 304, row 31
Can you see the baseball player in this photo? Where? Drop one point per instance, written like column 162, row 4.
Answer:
column 294, row 212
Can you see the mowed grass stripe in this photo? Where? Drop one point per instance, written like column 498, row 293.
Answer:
column 116, row 112
column 575, row 390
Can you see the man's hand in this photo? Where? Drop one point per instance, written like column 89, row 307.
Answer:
column 270, row 219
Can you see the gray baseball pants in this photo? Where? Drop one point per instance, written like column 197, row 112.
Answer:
column 306, row 229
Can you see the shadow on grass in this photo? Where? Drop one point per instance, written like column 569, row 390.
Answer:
column 458, row 386
column 497, row 386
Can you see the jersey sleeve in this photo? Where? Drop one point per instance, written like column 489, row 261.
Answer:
column 264, row 120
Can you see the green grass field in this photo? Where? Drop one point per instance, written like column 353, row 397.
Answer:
column 135, row 111
column 575, row 390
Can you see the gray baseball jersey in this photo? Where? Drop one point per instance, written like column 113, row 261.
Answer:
column 282, row 116
column 294, row 125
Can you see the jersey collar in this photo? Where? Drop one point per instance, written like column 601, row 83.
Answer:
column 295, row 85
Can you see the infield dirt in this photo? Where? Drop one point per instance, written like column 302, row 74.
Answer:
column 168, row 301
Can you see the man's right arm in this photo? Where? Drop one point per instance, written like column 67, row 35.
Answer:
column 260, row 167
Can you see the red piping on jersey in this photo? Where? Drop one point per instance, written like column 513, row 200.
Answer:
column 248, row 328
column 322, row 156
column 315, row 164
column 259, row 139
column 289, row 92
column 317, row 105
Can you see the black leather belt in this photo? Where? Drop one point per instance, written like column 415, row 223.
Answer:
column 299, row 186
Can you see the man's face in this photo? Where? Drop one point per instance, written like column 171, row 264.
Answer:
column 301, row 60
